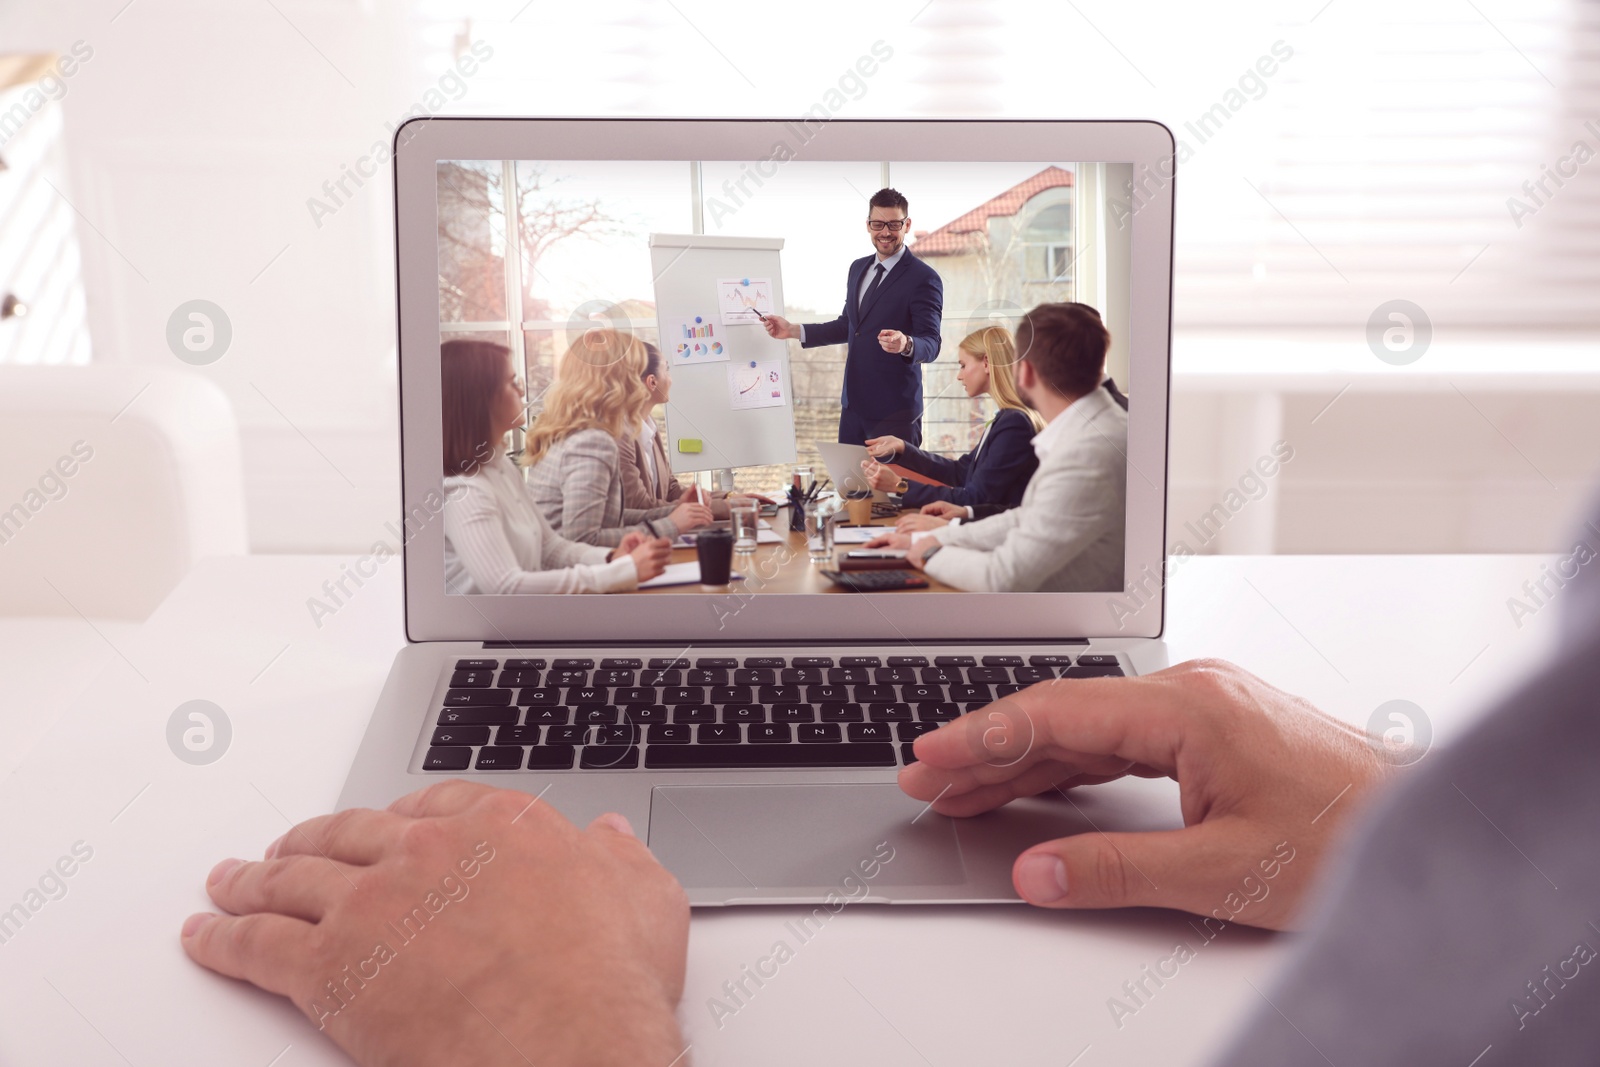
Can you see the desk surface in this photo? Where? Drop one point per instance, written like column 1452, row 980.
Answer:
column 97, row 976
column 786, row 567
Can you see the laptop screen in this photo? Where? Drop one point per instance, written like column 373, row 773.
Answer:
column 913, row 374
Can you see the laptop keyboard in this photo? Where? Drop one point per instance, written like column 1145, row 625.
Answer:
column 716, row 712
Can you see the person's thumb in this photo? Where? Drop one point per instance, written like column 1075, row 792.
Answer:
column 1163, row 869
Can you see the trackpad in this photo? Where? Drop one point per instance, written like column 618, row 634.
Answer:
column 809, row 837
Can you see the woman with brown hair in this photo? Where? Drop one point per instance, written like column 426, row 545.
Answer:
column 573, row 456
column 993, row 475
column 495, row 539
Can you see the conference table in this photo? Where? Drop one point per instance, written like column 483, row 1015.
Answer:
column 96, row 976
column 784, row 566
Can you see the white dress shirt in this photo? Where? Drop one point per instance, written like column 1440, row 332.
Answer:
column 647, row 451
column 496, row 540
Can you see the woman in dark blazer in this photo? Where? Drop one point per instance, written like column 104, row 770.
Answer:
column 995, row 473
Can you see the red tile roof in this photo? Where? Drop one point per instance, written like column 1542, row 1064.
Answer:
column 970, row 232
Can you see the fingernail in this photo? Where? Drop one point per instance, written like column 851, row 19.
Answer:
column 220, row 871
column 193, row 923
column 618, row 823
column 1041, row 878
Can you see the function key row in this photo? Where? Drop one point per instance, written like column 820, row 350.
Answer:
column 622, row 663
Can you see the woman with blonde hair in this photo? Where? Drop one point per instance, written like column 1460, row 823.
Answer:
column 993, row 476
column 575, row 473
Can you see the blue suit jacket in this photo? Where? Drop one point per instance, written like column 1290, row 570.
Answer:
column 996, row 473
column 883, row 392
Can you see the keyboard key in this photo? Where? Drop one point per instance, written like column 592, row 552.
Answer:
column 771, row 733
column 461, row 735
column 453, row 758
column 567, row 678
column 574, row 665
column 551, row 758
column 732, row 694
column 827, row 694
column 652, row 677
column 793, row 713
column 518, row 679
column 1096, row 660
column 867, row 694
column 645, row 713
column 694, row 713
column 610, row 759
column 500, row 758
column 937, row 712
column 667, row 734
column 1002, row 661
column 800, row 676
column 621, row 664
column 818, row 733
column 908, row 661
column 588, row 694
column 472, row 679
column 910, row 731
column 548, row 715
column 889, row 712
column 477, row 716
column 868, row 731
column 705, row 677
column 1029, row 675
column 988, row 674
column 812, row 661
column 635, row 695
column 975, row 693
column 919, row 693
column 477, row 664
column 894, row 675
column 765, row 661
column 525, row 664
column 476, row 698
column 1050, row 661
column 517, row 735
column 548, row 694
column 621, row 734
column 848, row 676
column 744, row 713
column 682, row 757
column 1092, row 672
column 1007, row 689
column 718, row 734
column 612, row 678
column 716, row 663
column 566, row 735
column 778, row 694
column 755, row 676
column 597, row 714
column 660, row 663
column 954, row 661
column 860, row 661
column 941, row 675
column 908, row 754
column 843, row 713
column 683, row 694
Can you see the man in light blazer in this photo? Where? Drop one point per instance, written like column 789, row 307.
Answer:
column 893, row 304
column 1069, row 533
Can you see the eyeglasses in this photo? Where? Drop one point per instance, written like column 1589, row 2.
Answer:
column 878, row 225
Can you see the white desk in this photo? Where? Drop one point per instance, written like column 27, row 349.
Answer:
column 97, row 977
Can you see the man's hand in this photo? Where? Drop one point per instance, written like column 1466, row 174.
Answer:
column 943, row 509
column 893, row 341
column 464, row 924
column 879, row 476
column 1265, row 779
column 910, row 524
column 780, row 327
column 885, row 447
column 891, row 540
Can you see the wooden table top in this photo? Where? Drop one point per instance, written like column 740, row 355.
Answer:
column 785, row 567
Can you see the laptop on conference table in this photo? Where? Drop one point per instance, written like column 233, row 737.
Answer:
column 753, row 737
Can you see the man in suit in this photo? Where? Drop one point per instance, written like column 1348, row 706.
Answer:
column 1069, row 533
column 892, row 307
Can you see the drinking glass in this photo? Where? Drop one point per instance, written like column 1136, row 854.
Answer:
column 819, row 531
column 746, row 519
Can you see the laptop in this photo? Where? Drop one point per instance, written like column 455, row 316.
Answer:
column 843, row 463
column 753, row 737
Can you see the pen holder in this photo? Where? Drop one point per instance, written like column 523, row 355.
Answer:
column 797, row 512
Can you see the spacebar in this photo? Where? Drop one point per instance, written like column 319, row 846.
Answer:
column 674, row 757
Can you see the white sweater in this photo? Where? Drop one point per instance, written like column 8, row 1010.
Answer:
column 497, row 541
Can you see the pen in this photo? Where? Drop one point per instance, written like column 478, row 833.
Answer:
column 648, row 525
